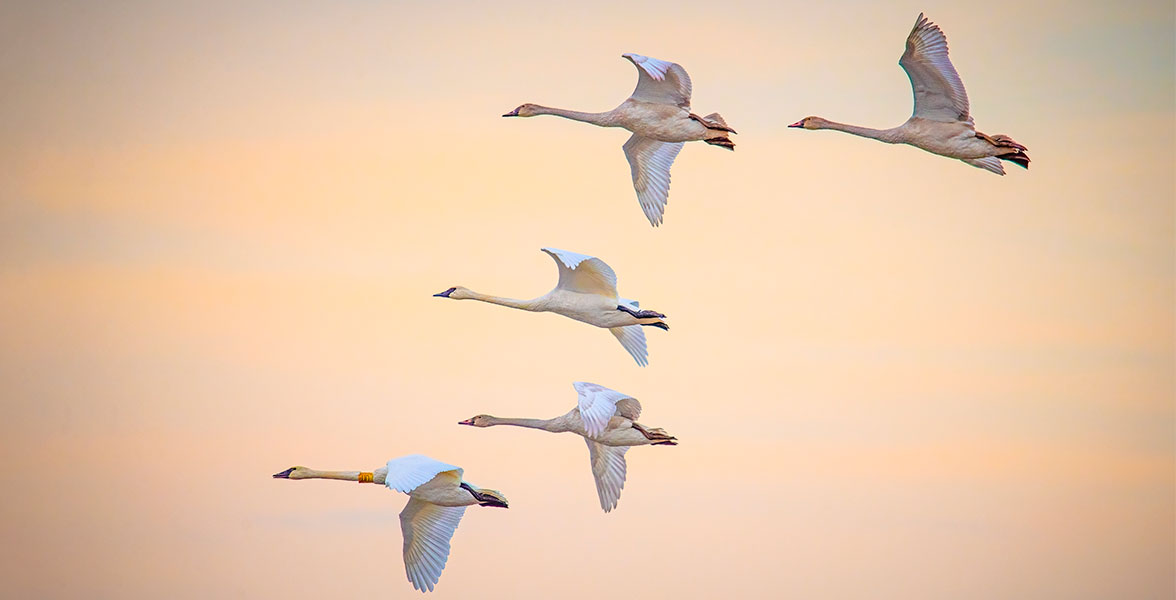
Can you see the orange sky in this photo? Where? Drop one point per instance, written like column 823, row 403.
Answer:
column 892, row 375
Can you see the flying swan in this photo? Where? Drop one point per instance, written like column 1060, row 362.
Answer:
column 587, row 291
column 437, row 500
column 607, row 420
column 941, row 123
column 658, row 114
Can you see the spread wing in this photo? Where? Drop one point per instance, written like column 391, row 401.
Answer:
column 660, row 81
column 407, row 473
column 632, row 337
column 608, row 467
column 582, row 273
column 939, row 93
column 427, row 529
column 649, row 162
column 598, row 404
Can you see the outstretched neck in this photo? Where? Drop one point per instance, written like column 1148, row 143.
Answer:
column 531, row 305
column 603, row 119
column 360, row 476
column 555, row 425
column 890, row 136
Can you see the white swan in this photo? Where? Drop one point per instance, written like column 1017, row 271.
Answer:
column 658, row 114
column 607, row 420
column 437, row 501
column 941, row 123
column 587, row 291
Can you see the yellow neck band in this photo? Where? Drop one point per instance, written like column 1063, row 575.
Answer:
column 366, row 477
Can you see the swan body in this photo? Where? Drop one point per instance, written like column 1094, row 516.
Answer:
column 607, row 420
column 658, row 114
column 586, row 292
column 941, row 122
column 437, row 500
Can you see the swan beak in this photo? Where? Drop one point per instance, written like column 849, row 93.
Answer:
column 799, row 123
column 513, row 113
column 465, row 422
column 445, row 294
column 284, row 474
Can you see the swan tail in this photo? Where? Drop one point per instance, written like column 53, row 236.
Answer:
column 713, row 121
column 656, row 435
column 1008, row 149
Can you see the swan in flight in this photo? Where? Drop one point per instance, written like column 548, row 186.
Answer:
column 587, row 291
column 658, row 114
column 941, row 123
column 607, row 420
column 436, row 503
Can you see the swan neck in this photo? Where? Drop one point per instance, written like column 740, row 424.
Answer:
column 551, row 425
column 603, row 119
column 531, row 305
column 890, row 136
column 336, row 475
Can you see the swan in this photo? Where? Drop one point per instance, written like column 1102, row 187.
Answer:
column 607, row 420
column 437, row 500
column 587, row 292
column 658, row 114
column 941, row 123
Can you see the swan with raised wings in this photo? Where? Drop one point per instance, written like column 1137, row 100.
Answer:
column 658, row 114
column 587, row 292
column 437, row 500
column 607, row 420
column 941, row 123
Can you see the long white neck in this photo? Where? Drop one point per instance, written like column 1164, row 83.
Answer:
column 604, row 119
column 556, row 425
column 890, row 136
column 531, row 305
column 375, row 477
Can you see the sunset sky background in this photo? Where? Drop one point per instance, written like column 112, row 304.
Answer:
column 892, row 375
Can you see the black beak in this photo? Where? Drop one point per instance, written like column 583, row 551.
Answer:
column 797, row 124
column 466, row 422
column 445, row 294
column 513, row 113
column 284, row 474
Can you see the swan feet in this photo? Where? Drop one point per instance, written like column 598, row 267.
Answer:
column 657, row 435
column 485, row 497
column 641, row 314
column 721, row 142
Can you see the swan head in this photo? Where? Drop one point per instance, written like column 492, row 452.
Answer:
column 811, row 123
column 478, row 421
column 456, row 293
column 526, row 110
column 293, row 473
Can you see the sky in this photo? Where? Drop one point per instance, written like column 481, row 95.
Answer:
column 892, row 375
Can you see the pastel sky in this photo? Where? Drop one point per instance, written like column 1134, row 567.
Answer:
column 892, row 375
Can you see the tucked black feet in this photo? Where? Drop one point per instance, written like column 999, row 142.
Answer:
column 659, row 325
column 642, row 314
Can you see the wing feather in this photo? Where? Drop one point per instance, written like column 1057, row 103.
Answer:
column 599, row 404
column 427, row 530
column 660, row 81
column 583, row 274
column 407, row 473
column 608, row 468
column 939, row 92
column 632, row 337
column 649, row 163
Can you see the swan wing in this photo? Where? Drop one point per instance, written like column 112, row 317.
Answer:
column 407, row 473
column 988, row 163
column 660, row 81
column 632, row 337
column 608, row 467
column 427, row 530
column 583, row 274
column 598, row 404
column 649, row 162
column 939, row 92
